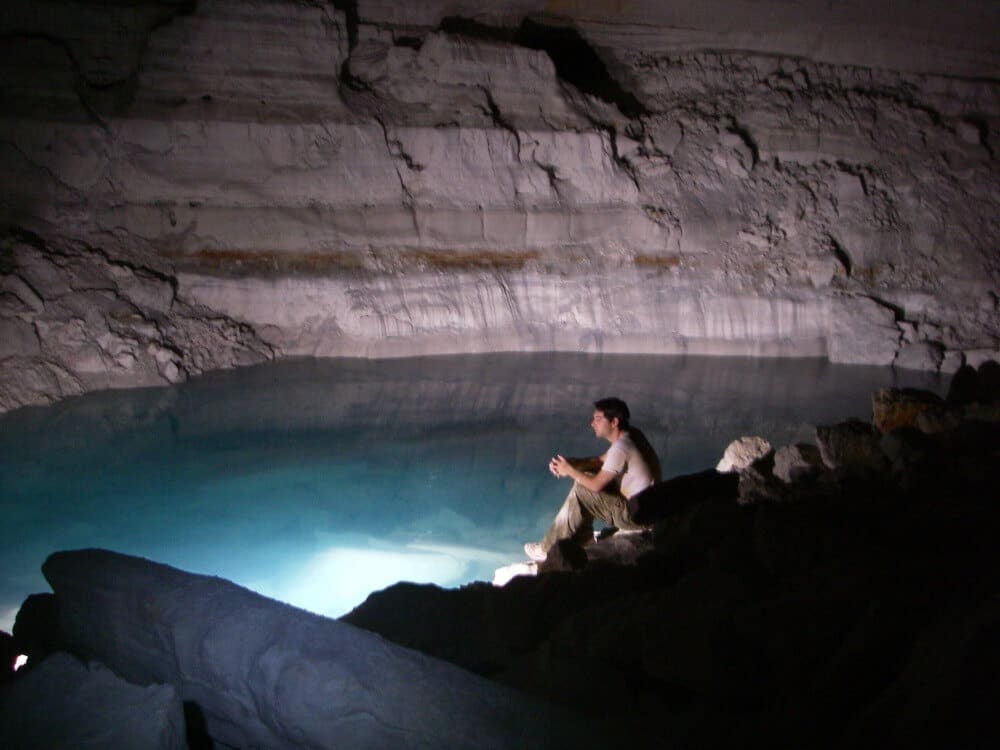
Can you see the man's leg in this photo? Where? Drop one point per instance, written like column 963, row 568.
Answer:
column 575, row 519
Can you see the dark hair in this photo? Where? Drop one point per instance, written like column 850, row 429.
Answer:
column 614, row 408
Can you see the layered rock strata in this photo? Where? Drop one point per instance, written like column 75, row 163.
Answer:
column 382, row 178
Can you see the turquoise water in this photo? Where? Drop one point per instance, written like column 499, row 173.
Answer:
column 317, row 482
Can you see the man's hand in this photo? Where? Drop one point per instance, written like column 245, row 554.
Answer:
column 560, row 466
column 590, row 465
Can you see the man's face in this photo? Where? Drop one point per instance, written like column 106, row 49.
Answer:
column 600, row 424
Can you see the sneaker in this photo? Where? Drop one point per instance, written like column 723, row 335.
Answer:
column 535, row 552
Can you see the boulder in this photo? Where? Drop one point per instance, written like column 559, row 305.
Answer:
column 265, row 674
column 989, row 381
column 620, row 547
column 679, row 494
column 970, row 385
column 964, row 386
column 564, row 555
column 982, row 412
column 490, row 629
column 943, row 420
column 955, row 458
column 795, row 462
column 715, row 530
column 478, row 627
column 905, row 447
column 612, row 546
column 942, row 695
column 742, row 452
column 851, row 445
column 36, row 627
column 895, row 407
column 63, row 704
column 701, row 645
column 815, row 527
column 758, row 482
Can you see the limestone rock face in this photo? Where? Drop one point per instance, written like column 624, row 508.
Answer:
column 81, row 320
column 389, row 178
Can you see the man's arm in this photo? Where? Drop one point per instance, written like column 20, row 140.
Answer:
column 562, row 467
column 588, row 465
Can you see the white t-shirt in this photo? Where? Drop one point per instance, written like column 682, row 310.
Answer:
column 625, row 461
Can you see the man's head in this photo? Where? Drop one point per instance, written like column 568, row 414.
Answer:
column 609, row 413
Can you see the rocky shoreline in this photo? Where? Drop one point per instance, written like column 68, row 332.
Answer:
column 829, row 595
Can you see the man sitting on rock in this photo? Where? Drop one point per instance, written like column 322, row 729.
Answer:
column 602, row 485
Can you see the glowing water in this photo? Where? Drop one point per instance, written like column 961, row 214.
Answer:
column 317, row 482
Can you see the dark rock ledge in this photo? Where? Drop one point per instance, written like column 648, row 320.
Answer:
column 834, row 595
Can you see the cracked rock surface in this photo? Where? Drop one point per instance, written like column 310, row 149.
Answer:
column 207, row 183
column 76, row 320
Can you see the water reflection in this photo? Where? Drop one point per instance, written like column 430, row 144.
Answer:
column 318, row 481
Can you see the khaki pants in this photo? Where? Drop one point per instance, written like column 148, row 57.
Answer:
column 575, row 519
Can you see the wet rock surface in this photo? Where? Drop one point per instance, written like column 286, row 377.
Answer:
column 377, row 179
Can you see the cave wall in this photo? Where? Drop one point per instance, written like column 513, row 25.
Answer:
column 192, row 185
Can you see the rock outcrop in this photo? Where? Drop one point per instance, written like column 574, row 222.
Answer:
column 63, row 704
column 742, row 453
column 388, row 178
column 263, row 674
column 839, row 603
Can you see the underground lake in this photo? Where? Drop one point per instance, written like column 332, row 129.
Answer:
column 316, row 482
